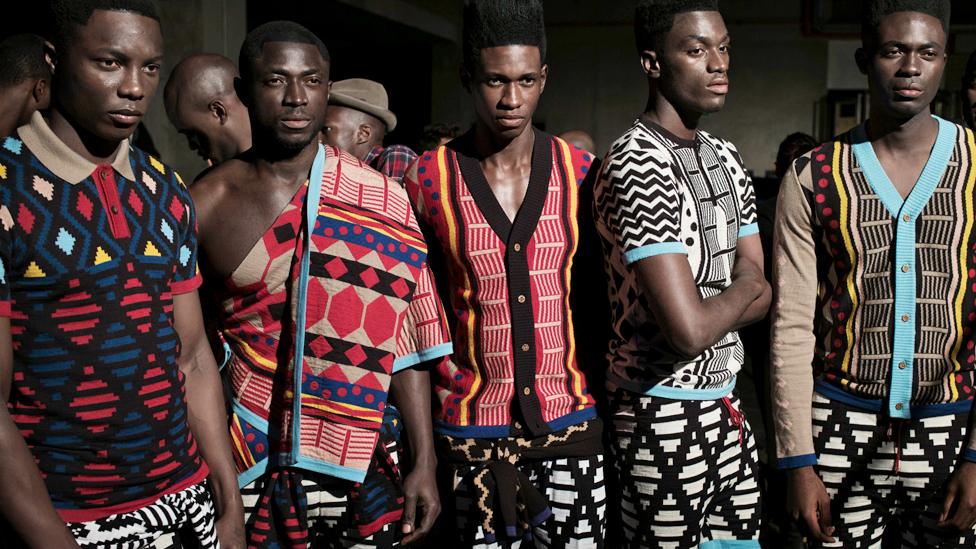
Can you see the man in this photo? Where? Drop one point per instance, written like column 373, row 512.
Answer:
column 516, row 427
column 438, row 134
column 359, row 307
column 675, row 210
column 114, row 420
column 358, row 120
column 203, row 106
column 579, row 139
column 969, row 92
column 874, row 256
column 25, row 80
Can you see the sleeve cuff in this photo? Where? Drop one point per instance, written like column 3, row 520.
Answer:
column 186, row 286
column 652, row 250
column 5, row 308
column 430, row 353
column 748, row 230
column 969, row 455
column 795, row 462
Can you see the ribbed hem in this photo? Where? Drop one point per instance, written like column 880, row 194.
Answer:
column 795, row 462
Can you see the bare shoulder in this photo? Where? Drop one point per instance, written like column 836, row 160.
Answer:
column 216, row 185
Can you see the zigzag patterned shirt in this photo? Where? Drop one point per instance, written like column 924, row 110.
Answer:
column 90, row 258
column 659, row 194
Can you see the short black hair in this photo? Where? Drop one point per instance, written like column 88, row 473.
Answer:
column 433, row 133
column 68, row 15
column 794, row 146
column 22, row 58
column 654, row 18
column 875, row 10
column 275, row 31
column 493, row 23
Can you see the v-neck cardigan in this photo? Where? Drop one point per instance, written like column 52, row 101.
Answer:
column 508, row 281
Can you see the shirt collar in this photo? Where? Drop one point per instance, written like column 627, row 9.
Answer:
column 60, row 159
column 373, row 154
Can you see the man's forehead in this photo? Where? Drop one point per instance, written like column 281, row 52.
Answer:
column 278, row 51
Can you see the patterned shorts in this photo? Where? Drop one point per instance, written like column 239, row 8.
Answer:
column 882, row 474
column 577, row 496
column 189, row 512
column 330, row 523
column 687, row 472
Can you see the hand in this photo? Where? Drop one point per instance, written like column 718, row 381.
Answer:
column 808, row 503
column 230, row 531
column 420, row 488
column 961, row 495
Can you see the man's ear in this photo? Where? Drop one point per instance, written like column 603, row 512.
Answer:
column 41, row 91
column 219, row 110
column 861, row 58
column 650, row 63
column 543, row 75
column 363, row 134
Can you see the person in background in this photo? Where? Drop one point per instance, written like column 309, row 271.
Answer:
column 437, row 135
column 580, row 140
column 968, row 92
column 203, row 106
column 357, row 122
column 25, row 80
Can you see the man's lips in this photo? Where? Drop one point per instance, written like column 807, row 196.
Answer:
column 910, row 93
column 509, row 121
column 125, row 117
column 720, row 87
column 296, row 123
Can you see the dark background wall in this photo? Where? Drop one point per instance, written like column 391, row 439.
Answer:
column 786, row 56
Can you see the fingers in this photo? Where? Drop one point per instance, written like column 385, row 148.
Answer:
column 825, row 521
column 432, row 508
column 947, row 504
column 409, row 515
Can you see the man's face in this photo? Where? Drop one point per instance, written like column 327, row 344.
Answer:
column 904, row 64
column 507, row 85
column 969, row 101
column 694, row 62
column 289, row 93
column 202, row 131
column 109, row 73
column 341, row 126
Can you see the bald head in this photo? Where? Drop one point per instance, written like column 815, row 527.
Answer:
column 580, row 139
column 202, row 104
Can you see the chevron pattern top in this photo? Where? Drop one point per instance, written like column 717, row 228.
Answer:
column 372, row 310
column 874, row 292
column 514, row 367
column 90, row 257
column 659, row 194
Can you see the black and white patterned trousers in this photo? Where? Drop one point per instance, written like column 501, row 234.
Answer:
column 330, row 521
column 882, row 473
column 687, row 472
column 577, row 495
column 190, row 511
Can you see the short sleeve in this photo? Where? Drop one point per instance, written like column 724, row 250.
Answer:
column 6, row 259
column 187, row 276
column 638, row 202
column 749, row 220
column 424, row 335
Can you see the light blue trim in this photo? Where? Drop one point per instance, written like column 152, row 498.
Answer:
column 331, row 469
column 652, row 250
column 919, row 411
column 673, row 393
column 227, row 355
column 312, row 199
column 252, row 474
column 259, row 423
column 795, row 462
column 437, row 351
column 748, row 230
column 903, row 348
column 730, row 544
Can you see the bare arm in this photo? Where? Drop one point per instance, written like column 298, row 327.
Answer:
column 207, row 418
column 692, row 324
column 24, row 501
column 410, row 390
column 749, row 248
